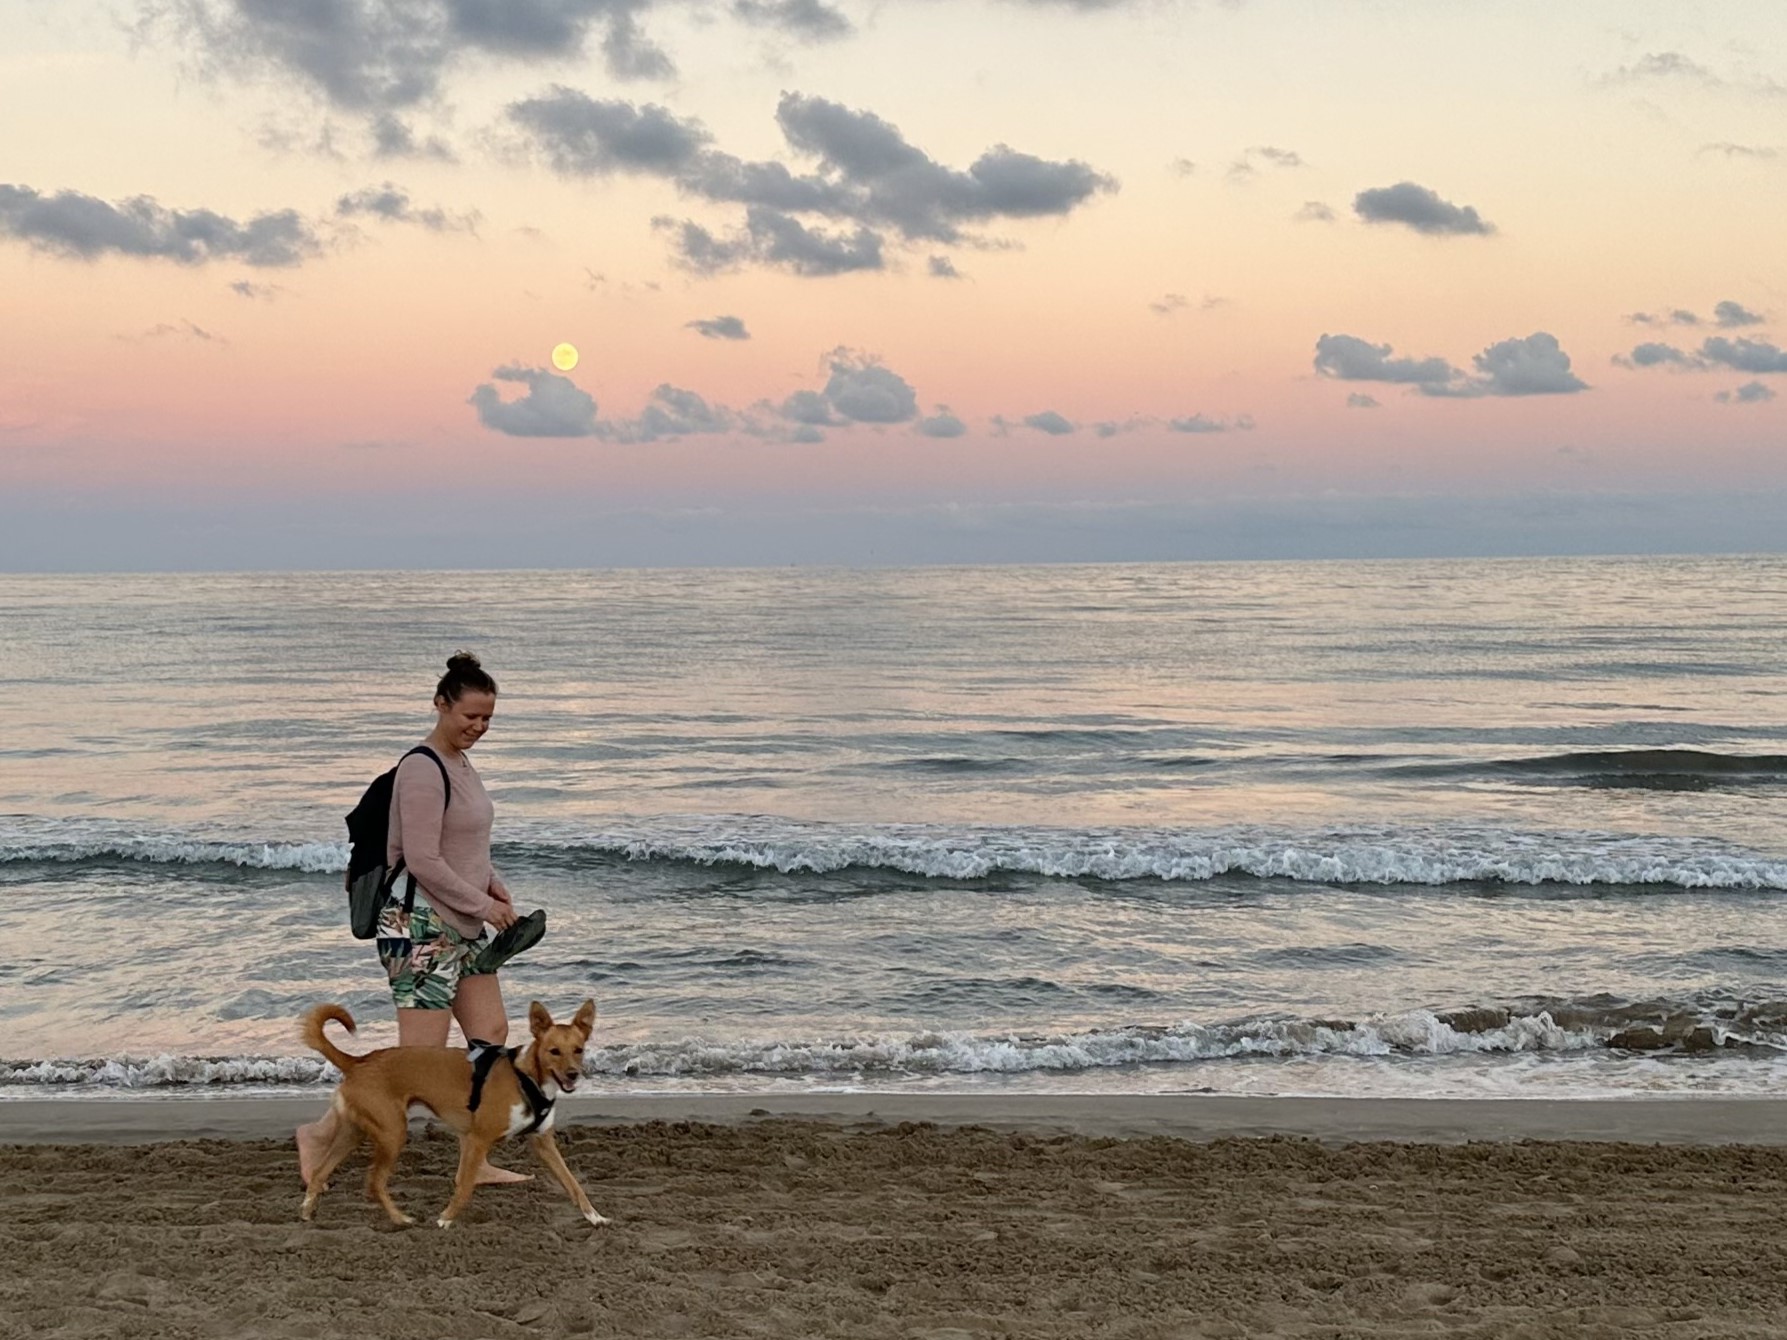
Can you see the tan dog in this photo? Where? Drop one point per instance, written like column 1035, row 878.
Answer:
column 376, row 1091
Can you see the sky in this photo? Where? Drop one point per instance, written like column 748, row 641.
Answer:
column 887, row 281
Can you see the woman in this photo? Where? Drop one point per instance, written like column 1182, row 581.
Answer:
column 439, row 957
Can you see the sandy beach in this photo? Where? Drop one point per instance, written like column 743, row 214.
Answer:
column 932, row 1217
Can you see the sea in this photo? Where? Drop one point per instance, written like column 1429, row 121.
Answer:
column 1460, row 829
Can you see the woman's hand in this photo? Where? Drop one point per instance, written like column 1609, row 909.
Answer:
column 502, row 915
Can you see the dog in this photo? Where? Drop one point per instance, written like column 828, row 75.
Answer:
column 505, row 1093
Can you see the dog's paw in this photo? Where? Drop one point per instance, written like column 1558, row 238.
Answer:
column 597, row 1219
column 444, row 1222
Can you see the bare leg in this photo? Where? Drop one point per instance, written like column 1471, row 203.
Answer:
column 314, row 1139
column 478, row 1005
column 423, row 1028
column 345, row 1139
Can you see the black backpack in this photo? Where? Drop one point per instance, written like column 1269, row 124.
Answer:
column 369, row 880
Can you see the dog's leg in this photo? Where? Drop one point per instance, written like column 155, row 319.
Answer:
column 388, row 1137
column 347, row 1139
column 472, row 1153
column 546, row 1148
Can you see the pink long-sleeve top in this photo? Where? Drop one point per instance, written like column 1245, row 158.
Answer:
column 448, row 852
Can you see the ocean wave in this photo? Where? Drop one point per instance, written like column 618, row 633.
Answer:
column 1412, row 1036
column 1644, row 769
column 1406, row 856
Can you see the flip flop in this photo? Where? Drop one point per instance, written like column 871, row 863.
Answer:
column 524, row 934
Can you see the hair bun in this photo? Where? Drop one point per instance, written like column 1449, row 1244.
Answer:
column 462, row 660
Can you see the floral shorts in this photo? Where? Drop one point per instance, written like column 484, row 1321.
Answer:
column 424, row 957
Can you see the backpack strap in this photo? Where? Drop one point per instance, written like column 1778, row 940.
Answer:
column 409, row 888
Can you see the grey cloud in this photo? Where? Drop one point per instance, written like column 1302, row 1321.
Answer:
column 781, row 239
column 858, row 389
column 809, row 20
column 808, row 407
column 726, row 179
column 1652, row 354
column 1730, row 150
column 1020, row 185
column 670, row 412
column 85, row 227
column 720, row 328
column 392, row 203
column 1536, row 365
column 807, row 435
column 373, row 56
column 699, row 249
column 1314, row 211
column 1048, row 421
column 888, row 181
column 1359, row 400
column 184, row 329
column 1419, row 208
column 942, row 267
column 1744, row 355
column 245, row 288
column 868, row 174
column 392, row 137
column 1244, row 168
column 554, row 406
column 1731, row 314
column 1663, row 65
column 1679, row 317
column 1183, row 167
column 1349, row 358
column 1168, row 303
column 941, row 424
column 1750, row 393
column 526, row 27
column 771, row 237
column 868, row 392
column 629, row 53
column 1202, row 423
column 586, row 137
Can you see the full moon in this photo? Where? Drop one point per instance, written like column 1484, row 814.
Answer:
column 564, row 357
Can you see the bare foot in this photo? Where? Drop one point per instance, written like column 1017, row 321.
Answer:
column 313, row 1142
column 491, row 1175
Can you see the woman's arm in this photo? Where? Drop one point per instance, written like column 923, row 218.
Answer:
column 421, row 805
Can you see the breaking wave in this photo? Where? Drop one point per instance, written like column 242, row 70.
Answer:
column 1388, row 856
column 1656, row 1028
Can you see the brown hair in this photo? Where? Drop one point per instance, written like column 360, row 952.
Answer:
column 463, row 674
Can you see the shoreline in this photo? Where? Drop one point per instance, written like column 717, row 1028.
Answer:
column 1700, row 1121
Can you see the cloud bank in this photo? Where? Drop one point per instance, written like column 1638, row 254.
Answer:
column 84, row 227
column 866, row 183
column 1534, row 365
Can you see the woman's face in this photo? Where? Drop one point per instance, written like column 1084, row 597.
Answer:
column 463, row 723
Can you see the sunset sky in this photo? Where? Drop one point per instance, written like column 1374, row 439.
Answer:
column 907, row 281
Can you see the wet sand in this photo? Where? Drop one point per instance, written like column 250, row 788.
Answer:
column 924, row 1217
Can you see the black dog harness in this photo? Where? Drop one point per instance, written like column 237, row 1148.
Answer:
column 485, row 1055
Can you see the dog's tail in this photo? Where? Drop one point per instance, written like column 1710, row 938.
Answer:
column 318, row 1041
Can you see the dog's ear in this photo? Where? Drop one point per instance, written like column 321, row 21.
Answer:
column 539, row 1019
column 585, row 1018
